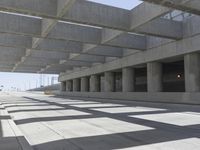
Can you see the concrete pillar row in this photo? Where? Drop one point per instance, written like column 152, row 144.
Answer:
column 192, row 72
column 76, row 85
column 109, row 81
column 154, row 77
column 95, row 83
column 128, row 79
column 63, row 86
column 69, row 86
column 84, row 84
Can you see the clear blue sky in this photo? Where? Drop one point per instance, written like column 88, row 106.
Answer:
column 24, row 81
column 126, row 4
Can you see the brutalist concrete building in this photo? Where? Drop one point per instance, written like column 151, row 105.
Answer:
column 149, row 53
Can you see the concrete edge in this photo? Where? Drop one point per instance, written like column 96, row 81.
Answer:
column 158, row 97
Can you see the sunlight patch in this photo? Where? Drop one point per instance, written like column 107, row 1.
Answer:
column 96, row 105
column 94, row 127
column 180, row 119
column 47, row 114
column 127, row 109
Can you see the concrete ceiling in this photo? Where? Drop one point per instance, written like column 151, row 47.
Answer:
column 54, row 36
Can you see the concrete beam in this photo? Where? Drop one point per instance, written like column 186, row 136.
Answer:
column 172, row 49
column 88, row 58
column 76, row 63
column 123, row 39
column 7, row 63
column 19, row 24
column 48, row 54
column 11, row 51
column 191, row 6
column 103, row 50
column 76, row 32
column 139, row 16
column 162, row 28
column 23, row 68
column 58, row 67
column 39, row 61
column 48, row 24
column 146, row 12
column 31, row 7
column 14, row 40
column 105, row 16
column 59, row 45
column 53, row 10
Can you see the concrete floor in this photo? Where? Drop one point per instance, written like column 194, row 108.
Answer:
column 35, row 121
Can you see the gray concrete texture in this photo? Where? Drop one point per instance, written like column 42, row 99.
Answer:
column 85, row 33
column 79, row 38
column 32, row 121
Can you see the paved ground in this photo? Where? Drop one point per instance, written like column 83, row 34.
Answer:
column 55, row 123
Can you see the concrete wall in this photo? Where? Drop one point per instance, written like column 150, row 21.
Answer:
column 176, row 97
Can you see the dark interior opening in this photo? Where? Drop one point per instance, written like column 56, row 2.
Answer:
column 118, row 81
column 173, row 77
column 141, row 79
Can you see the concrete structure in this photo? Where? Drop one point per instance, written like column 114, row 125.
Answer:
column 94, row 83
column 84, row 84
column 152, row 49
column 76, row 85
column 128, row 79
column 154, row 77
column 109, row 82
column 69, row 85
column 33, row 121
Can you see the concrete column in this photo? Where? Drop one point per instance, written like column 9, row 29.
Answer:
column 128, row 79
column 95, row 83
column 63, row 86
column 109, row 82
column 84, row 84
column 154, row 77
column 192, row 72
column 69, row 85
column 76, row 85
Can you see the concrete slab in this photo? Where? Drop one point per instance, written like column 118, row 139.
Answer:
column 33, row 107
column 127, row 109
column 96, row 105
column 10, row 136
column 93, row 127
column 186, row 144
column 61, row 125
column 42, row 114
column 180, row 119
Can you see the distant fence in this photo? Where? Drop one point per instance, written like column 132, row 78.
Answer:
column 53, row 87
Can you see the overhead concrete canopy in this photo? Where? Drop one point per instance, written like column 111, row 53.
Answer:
column 55, row 36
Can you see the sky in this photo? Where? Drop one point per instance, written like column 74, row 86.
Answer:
column 125, row 4
column 25, row 81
